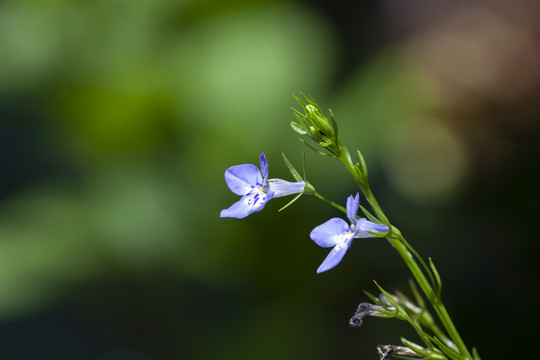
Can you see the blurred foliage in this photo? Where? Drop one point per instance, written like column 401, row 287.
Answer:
column 118, row 119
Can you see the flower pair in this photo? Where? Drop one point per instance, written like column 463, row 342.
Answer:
column 256, row 190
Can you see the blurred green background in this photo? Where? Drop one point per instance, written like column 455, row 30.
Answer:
column 118, row 119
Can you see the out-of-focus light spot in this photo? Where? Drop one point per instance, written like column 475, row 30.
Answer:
column 477, row 52
column 426, row 162
column 30, row 44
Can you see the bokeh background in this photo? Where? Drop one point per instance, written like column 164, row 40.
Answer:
column 118, row 119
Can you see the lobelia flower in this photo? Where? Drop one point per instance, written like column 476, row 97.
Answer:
column 255, row 188
column 337, row 233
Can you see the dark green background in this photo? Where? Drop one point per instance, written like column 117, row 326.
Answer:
column 118, row 119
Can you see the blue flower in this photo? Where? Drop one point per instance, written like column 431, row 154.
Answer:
column 337, row 233
column 255, row 188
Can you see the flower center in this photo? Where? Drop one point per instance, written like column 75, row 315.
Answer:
column 342, row 239
column 256, row 194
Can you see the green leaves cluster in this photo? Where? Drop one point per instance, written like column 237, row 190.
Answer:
column 312, row 123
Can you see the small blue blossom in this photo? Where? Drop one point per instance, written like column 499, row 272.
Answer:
column 337, row 233
column 255, row 188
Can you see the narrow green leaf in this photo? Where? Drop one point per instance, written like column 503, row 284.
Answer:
column 334, row 126
column 290, row 202
column 300, row 101
column 303, row 122
column 416, row 348
column 378, row 213
column 313, row 148
column 363, row 166
column 369, row 216
column 387, row 295
column 438, row 282
column 424, row 265
column 293, row 171
column 419, row 299
column 375, row 299
column 377, row 234
column 446, row 350
column 475, row 354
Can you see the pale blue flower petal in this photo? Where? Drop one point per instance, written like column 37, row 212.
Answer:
column 242, row 178
column 333, row 258
column 327, row 234
column 364, row 225
column 284, row 188
column 251, row 202
column 352, row 207
column 264, row 166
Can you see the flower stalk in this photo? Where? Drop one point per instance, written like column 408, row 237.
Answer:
column 323, row 134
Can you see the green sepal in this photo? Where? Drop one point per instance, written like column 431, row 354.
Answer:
column 362, row 165
column 475, row 354
column 334, row 126
column 375, row 299
column 293, row 171
column 400, row 312
column 447, row 351
column 290, row 202
column 312, row 148
column 303, row 122
column 380, row 235
column 369, row 215
column 416, row 348
column 438, row 282
column 299, row 129
column 378, row 213
column 419, row 299
column 384, row 314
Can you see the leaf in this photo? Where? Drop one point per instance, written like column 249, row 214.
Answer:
column 378, row 212
column 290, row 202
column 363, row 166
column 375, row 299
column 293, row 171
column 447, row 351
column 419, row 299
column 415, row 347
column 313, row 148
column 334, row 126
column 438, row 282
column 475, row 354
column 369, row 216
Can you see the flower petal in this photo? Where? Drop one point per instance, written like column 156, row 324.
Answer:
column 284, row 188
column 364, row 225
column 352, row 207
column 326, row 235
column 241, row 178
column 333, row 258
column 264, row 166
column 251, row 202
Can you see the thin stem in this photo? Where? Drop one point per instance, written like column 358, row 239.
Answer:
column 337, row 206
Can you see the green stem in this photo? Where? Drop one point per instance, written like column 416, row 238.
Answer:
column 398, row 242
column 439, row 307
column 337, row 206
